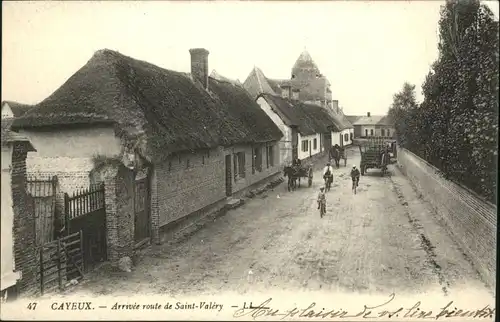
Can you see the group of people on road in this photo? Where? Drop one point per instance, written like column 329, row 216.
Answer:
column 328, row 176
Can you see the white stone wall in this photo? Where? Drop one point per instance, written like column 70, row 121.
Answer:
column 69, row 153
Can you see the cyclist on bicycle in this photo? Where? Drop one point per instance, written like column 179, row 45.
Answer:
column 328, row 172
column 355, row 175
column 321, row 197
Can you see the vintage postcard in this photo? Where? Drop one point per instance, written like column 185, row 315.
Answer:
column 249, row 160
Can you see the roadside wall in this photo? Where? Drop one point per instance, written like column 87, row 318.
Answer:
column 472, row 222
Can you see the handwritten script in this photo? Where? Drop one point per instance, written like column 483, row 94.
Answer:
column 382, row 310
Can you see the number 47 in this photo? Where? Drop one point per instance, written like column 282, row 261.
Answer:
column 32, row 306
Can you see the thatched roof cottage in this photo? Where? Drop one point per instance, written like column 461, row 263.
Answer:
column 197, row 139
column 308, row 128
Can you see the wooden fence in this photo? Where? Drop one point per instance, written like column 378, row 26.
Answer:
column 43, row 195
column 60, row 260
column 85, row 212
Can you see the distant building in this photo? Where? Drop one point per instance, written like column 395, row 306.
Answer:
column 12, row 109
column 308, row 85
column 372, row 126
column 308, row 129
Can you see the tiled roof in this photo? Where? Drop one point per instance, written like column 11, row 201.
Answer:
column 257, row 83
column 373, row 120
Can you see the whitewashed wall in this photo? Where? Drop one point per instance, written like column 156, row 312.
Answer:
column 9, row 277
column 285, row 144
column 310, row 151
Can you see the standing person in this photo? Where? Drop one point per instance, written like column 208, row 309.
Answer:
column 322, row 201
column 355, row 175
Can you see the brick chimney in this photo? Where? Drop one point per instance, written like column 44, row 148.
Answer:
column 295, row 94
column 199, row 65
column 368, row 114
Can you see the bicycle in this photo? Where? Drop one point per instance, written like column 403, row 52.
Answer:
column 355, row 184
column 322, row 210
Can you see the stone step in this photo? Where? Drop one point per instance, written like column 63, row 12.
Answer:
column 232, row 203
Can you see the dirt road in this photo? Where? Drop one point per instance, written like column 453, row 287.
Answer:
column 383, row 239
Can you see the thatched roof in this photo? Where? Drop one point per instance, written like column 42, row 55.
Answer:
column 308, row 118
column 17, row 109
column 174, row 112
column 340, row 120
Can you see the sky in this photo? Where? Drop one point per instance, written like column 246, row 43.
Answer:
column 367, row 50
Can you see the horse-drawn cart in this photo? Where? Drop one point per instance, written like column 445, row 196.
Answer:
column 294, row 172
column 375, row 154
column 336, row 154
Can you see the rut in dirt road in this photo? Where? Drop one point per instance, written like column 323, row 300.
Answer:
column 425, row 242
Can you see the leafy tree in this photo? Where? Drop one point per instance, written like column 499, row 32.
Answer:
column 404, row 102
column 456, row 126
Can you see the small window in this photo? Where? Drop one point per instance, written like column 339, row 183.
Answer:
column 315, row 144
column 235, row 166
column 366, row 132
column 270, row 156
column 258, row 159
column 383, row 132
column 305, row 146
column 293, row 76
column 346, row 137
column 388, row 132
column 371, row 132
column 241, row 164
column 351, row 136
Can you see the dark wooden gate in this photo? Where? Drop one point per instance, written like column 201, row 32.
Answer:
column 43, row 197
column 86, row 212
column 229, row 178
column 60, row 261
column 142, row 209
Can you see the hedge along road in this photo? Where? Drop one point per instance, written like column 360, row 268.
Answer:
column 383, row 239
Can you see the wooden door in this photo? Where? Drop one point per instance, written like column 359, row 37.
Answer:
column 142, row 209
column 229, row 178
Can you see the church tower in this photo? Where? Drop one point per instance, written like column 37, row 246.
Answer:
column 312, row 85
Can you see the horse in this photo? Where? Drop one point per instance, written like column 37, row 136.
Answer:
column 291, row 173
column 335, row 155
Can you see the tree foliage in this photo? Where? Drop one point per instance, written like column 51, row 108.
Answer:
column 455, row 127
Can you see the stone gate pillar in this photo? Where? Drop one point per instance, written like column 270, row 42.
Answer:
column 119, row 198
